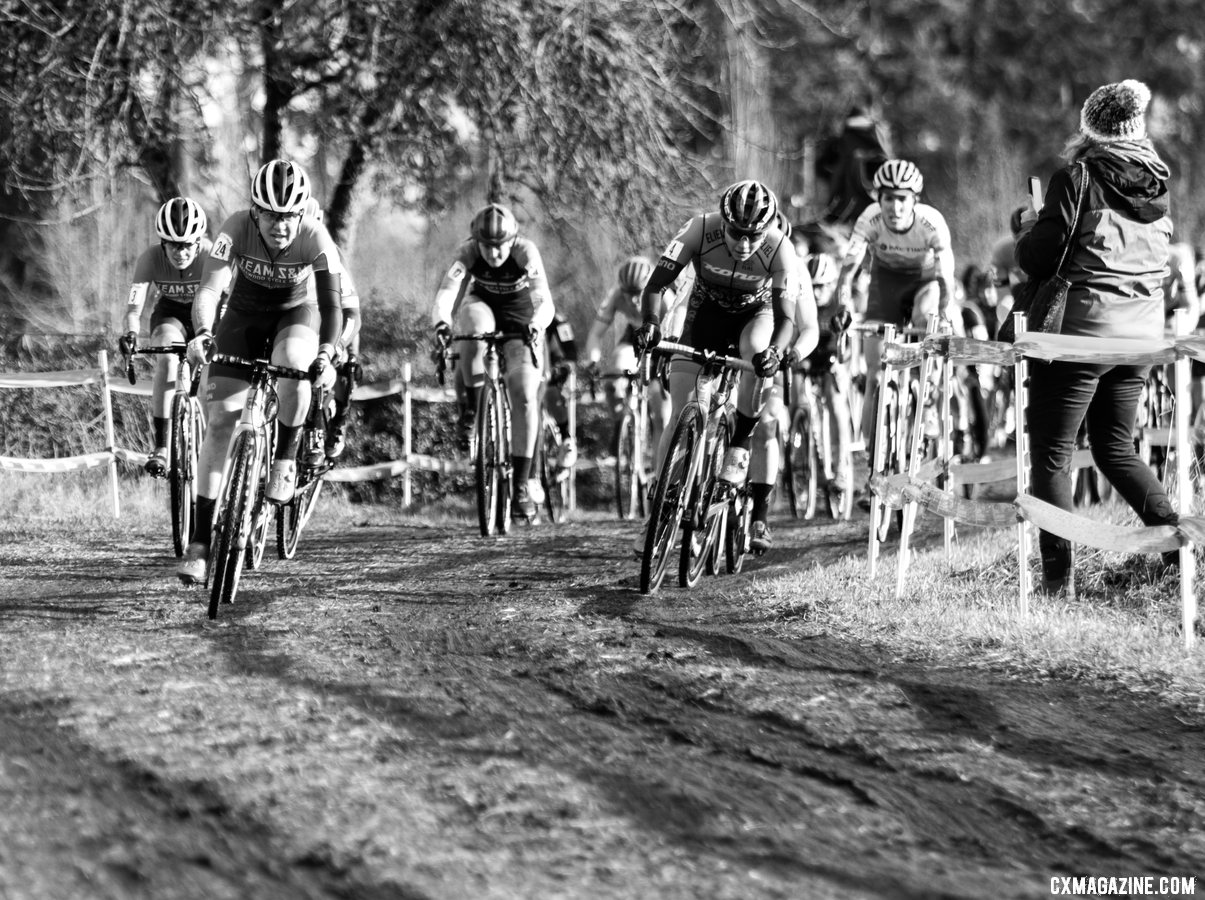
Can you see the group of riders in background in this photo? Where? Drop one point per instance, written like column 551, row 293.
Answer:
column 737, row 281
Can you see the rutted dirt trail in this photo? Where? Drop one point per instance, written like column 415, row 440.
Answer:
column 417, row 712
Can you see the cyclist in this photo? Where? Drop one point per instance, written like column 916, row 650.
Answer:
column 912, row 268
column 624, row 300
column 173, row 271
column 746, row 277
column 347, row 351
column 816, row 349
column 507, row 291
column 561, row 347
column 274, row 249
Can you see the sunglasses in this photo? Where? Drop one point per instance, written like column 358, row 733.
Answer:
column 743, row 233
column 178, row 246
column 280, row 217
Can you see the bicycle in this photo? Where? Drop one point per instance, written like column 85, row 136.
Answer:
column 240, row 513
column 491, row 449
column 186, row 426
column 631, row 445
column 810, row 459
column 689, row 492
column 554, row 478
column 897, row 400
column 312, row 466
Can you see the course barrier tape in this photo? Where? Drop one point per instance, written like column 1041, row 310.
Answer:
column 78, row 377
column 58, row 464
column 138, row 390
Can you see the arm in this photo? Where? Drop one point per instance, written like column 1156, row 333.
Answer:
column 541, row 296
column 449, row 290
column 215, row 279
column 134, row 304
column 945, row 281
column 330, row 309
column 1039, row 244
column 807, row 326
column 598, row 328
column 663, row 276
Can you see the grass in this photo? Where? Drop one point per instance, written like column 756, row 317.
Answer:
column 1122, row 626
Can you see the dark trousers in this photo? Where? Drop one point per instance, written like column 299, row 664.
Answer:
column 1060, row 395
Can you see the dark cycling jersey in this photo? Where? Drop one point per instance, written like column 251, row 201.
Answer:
column 270, row 281
column 175, row 289
column 516, row 291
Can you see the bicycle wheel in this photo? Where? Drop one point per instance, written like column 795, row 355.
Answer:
column 700, row 532
column 627, row 467
column 485, row 463
column 737, row 531
column 669, row 502
column 803, row 461
column 502, row 465
column 261, row 519
column 553, row 478
column 892, row 451
column 232, row 524
column 838, row 489
column 184, row 449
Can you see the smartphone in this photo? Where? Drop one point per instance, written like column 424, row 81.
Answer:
column 1035, row 193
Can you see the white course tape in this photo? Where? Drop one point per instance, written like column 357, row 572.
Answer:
column 49, row 379
column 60, row 464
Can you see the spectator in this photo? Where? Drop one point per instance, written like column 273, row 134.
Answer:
column 1116, row 266
column 846, row 164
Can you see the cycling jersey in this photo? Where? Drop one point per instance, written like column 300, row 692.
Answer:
column 516, row 291
column 924, row 249
column 175, row 288
column 270, row 282
column 720, row 280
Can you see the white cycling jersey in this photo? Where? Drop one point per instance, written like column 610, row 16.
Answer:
column 917, row 251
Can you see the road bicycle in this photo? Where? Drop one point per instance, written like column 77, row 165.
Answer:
column 241, row 515
column 186, row 426
column 312, row 466
column 813, row 464
column 689, row 492
column 491, row 448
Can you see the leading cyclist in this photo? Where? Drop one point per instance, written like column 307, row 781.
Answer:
column 912, row 269
column 274, row 249
column 173, row 271
column 507, row 291
column 745, row 290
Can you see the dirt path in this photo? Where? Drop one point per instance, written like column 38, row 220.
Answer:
column 415, row 712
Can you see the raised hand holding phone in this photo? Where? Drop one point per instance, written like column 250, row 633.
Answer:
column 1035, row 193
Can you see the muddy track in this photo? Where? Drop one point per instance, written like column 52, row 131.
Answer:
column 417, row 712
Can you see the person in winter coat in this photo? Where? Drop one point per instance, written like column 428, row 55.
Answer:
column 1116, row 266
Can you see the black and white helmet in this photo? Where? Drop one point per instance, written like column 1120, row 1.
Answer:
column 494, row 225
column 280, row 187
column 181, row 220
column 749, row 206
column 899, row 175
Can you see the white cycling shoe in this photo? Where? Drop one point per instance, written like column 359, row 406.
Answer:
column 281, row 481
column 736, row 466
column 194, row 567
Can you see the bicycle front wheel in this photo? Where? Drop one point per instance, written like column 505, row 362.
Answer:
column 703, row 520
column 185, row 446
column 669, row 502
column 627, row 467
column 485, row 463
column 803, row 464
column 232, row 526
column 553, row 478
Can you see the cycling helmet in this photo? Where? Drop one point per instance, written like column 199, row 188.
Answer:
column 281, row 187
column 313, row 210
column 783, row 225
column 899, row 175
column 634, row 273
column 495, row 224
column 749, row 206
column 822, row 269
column 180, row 219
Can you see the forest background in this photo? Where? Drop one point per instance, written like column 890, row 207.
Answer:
column 606, row 123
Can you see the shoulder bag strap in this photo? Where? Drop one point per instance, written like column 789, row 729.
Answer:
column 1079, row 206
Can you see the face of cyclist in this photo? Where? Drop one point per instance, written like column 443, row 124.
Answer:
column 278, row 230
column 742, row 244
column 495, row 254
column 898, row 209
column 181, row 253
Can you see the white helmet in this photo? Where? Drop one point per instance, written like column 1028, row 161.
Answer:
column 180, row 220
column 899, row 175
column 822, row 269
column 281, row 187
